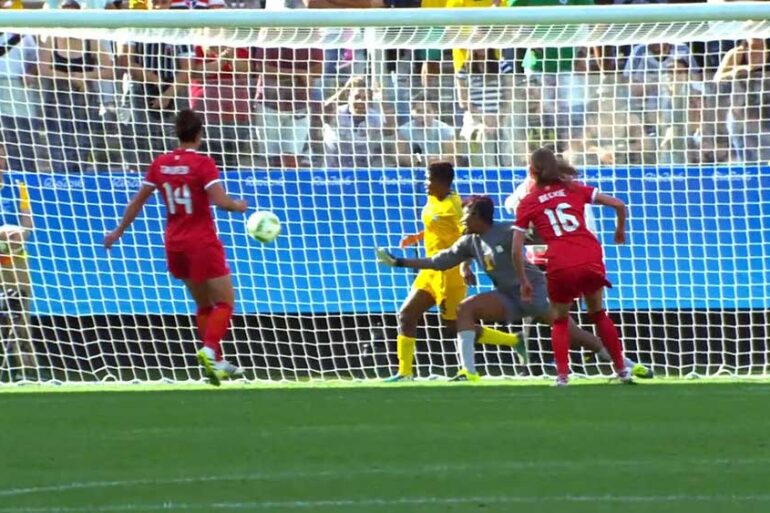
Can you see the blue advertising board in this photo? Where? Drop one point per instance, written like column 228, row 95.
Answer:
column 699, row 237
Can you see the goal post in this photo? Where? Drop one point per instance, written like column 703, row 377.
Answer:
column 328, row 118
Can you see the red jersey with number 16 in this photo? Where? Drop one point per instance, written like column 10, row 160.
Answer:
column 557, row 213
column 183, row 176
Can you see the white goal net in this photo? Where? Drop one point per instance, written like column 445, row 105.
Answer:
column 331, row 128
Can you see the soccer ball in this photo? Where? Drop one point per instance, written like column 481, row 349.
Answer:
column 263, row 226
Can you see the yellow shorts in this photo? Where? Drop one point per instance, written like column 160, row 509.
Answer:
column 446, row 287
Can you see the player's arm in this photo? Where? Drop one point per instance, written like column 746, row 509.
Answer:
column 218, row 197
column 441, row 261
column 520, row 228
column 517, row 254
column 132, row 210
column 620, row 213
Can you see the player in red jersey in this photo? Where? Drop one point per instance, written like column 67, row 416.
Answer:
column 555, row 208
column 189, row 183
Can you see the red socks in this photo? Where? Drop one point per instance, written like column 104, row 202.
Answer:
column 202, row 317
column 609, row 335
column 560, row 343
column 215, row 326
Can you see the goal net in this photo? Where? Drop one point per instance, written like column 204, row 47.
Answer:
column 331, row 128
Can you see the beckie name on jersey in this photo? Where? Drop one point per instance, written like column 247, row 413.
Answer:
column 174, row 170
column 555, row 194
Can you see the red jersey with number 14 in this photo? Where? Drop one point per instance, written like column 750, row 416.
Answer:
column 558, row 215
column 183, row 176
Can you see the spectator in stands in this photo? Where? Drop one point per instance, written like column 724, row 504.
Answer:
column 221, row 90
column 743, row 73
column 19, row 99
column 284, row 102
column 358, row 131
column 425, row 138
column 75, row 69
column 663, row 79
column 612, row 135
column 559, row 84
column 159, row 77
column 481, row 95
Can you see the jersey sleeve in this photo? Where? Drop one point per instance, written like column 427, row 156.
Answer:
column 453, row 256
column 587, row 192
column 151, row 178
column 209, row 173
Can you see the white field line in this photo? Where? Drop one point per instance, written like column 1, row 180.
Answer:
column 530, row 465
column 396, row 501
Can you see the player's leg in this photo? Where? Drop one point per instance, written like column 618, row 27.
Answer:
column 419, row 301
column 450, row 292
column 21, row 328
column 200, row 294
column 607, row 332
column 208, row 279
column 208, row 355
column 580, row 338
column 560, row 340
column 16, row 322
column 487, row 306
column 220, row 293
column 222, row 296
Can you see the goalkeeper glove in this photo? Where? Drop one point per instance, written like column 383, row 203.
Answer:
column 384, row 256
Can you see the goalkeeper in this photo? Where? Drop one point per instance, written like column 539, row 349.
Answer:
column 446, row 288
column 490, row 244
column 16, row 289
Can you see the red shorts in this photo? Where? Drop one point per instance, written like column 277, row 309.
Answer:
column 566, row 285
column 199, row 264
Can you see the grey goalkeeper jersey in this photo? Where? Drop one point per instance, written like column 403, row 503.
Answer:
column 492, row 251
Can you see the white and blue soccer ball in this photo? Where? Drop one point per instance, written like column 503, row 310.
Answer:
column 263, row 226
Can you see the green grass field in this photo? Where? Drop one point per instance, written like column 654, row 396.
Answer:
column 421, row 448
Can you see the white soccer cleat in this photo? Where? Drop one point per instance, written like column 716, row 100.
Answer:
column 626, row 377
column 226, row 370
column 561, row 381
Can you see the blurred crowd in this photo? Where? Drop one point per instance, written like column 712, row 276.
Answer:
column 80, row 105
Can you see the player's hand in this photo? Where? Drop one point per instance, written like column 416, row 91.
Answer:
column 385, row 258
column 620, row 235
column 111, row 238
column 468, row 277
column 526, row 291
column 410, row 240
column 240, row 205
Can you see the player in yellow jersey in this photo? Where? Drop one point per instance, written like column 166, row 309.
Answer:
column 441, row 220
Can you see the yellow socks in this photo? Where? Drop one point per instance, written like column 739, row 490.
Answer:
column 405, row 351
column 497, row 338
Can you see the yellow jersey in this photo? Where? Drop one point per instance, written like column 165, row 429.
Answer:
column 441, row 219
